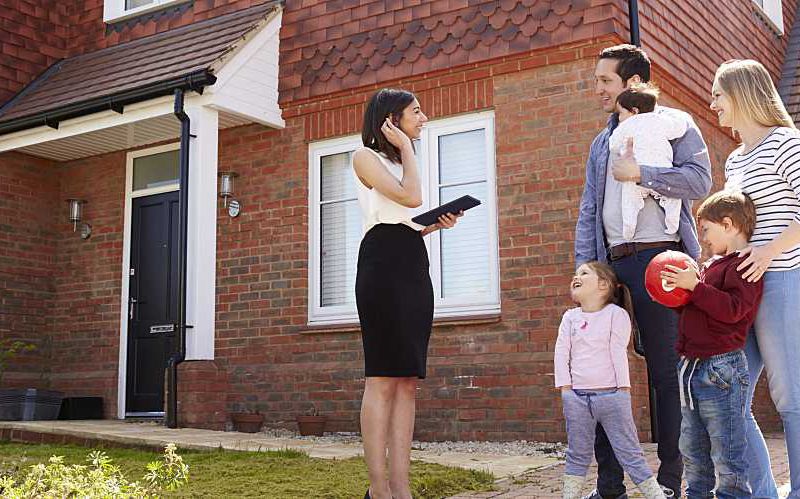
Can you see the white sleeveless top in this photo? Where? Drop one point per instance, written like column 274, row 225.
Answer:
column 377, row 208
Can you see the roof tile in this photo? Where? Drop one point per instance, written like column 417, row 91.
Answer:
column 519, row 14
column 429, row 36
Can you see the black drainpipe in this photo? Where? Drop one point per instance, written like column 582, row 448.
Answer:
column 633, row 11
column 179, row 354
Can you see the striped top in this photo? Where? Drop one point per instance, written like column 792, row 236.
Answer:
column 770, row 175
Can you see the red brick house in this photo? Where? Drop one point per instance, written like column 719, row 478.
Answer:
column 274, row 92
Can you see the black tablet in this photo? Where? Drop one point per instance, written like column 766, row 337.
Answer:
column 432, row 216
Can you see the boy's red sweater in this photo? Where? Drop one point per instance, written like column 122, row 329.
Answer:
column 721, row 309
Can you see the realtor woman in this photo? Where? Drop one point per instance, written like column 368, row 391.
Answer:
column 394, row 295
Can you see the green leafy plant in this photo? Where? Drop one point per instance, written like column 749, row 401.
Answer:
column 99, row 479
column 9, row 349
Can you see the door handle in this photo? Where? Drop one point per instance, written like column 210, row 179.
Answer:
column 133, row 302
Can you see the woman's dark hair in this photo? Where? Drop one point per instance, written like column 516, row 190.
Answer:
column 385, row 102
column 618, row 293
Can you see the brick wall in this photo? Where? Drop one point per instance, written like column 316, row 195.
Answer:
column 487, row 380
column 675, row 34
column 32, row 37
column 88, row 32
column 85, row 314
column 29, row 199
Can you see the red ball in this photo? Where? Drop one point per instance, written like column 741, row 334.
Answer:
column 657, row 288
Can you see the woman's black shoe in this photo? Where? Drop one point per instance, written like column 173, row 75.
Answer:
column 366, row 495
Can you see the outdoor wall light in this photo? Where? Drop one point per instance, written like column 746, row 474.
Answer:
column 75, row 216
column 226, row 180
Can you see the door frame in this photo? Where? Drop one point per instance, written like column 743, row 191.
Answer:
column 126, row 261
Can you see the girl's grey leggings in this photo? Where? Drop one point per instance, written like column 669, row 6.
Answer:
column 583, row 411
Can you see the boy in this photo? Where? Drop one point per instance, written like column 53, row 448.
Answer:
column 712, row 372
column 651, row 133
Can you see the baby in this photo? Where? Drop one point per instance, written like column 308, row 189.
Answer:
column 651, row 131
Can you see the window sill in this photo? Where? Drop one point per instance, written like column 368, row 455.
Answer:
column 767, row 19
column 464, row 320
column 123, row 15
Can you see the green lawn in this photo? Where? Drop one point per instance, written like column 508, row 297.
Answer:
column 280, row 474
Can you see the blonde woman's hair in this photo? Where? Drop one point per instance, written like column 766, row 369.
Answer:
column 751, row 91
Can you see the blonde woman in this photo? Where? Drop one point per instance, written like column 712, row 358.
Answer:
column 766, row 166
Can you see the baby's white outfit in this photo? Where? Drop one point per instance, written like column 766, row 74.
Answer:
column 651, row 134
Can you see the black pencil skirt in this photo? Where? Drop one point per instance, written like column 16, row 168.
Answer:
column 394, row 297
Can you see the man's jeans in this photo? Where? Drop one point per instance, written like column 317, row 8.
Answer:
column 658, row 326
column 775, row 348
column 713, row 425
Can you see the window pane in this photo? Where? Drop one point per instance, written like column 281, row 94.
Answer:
column 465, row 257
column 132, row 4
column 462, row 157
column 465, row 249
column 341, row 235
column 155, row 170
column 337, row 177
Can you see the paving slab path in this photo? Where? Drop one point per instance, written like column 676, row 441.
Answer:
column 545, row 482
column 518, row 476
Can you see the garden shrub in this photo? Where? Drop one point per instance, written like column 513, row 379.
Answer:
column 99, row 479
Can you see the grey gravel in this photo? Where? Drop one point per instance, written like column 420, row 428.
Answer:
column 514, row 448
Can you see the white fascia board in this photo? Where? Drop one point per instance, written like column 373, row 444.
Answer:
column 97, row 121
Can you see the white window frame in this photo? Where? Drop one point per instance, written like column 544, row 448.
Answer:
column 458, row 307
column 427, row 152
column 130, row 194
column 114, row 10
column 317, row 314
column 772, row 13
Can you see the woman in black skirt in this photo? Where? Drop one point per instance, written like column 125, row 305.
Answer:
column 393, row 288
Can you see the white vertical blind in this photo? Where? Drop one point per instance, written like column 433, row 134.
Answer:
column 465, row 260
column 340, row 230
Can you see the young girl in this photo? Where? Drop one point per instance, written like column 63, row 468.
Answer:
column 591, row 369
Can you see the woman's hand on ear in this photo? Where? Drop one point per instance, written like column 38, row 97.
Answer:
column 395, row 136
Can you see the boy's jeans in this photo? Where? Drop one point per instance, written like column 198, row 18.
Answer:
column 713, row 425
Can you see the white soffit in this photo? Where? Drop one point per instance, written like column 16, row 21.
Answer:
column 119, row 138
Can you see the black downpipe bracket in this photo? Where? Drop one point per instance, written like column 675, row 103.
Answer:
column 179, row 353
column 633, row 11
